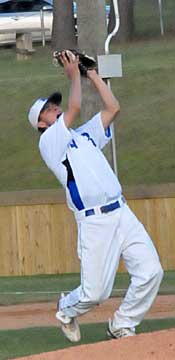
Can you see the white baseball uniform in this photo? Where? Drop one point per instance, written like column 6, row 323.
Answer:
column 107, row 228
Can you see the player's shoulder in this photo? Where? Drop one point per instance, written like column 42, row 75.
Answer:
column 88, row 123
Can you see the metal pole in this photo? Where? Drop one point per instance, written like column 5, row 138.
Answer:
column 42, row 27
column 107, row 43
column 161, row 17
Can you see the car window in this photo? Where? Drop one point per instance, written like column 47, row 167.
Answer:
column 22, row 6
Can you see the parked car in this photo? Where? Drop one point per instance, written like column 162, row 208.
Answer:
column 15, row 14
column 25, row 14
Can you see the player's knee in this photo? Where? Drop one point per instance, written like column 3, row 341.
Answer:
column 152, row 274
column 156, row 274
column 159, row 273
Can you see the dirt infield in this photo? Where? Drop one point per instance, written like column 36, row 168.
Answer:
column 159, row 345
column 151, row 346
column 43, row 314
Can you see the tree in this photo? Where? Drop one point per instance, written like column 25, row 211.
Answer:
column 126, row 13
column 92, row 33
column 63, row 32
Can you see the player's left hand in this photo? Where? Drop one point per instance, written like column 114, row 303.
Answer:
column 85, row 61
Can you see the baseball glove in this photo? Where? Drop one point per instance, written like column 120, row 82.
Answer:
column 86, row 62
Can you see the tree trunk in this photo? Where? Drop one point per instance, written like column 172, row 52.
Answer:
column 63, row 31
column 126, row 14
column 92, row 33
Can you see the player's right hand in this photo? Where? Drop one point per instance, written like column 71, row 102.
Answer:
column 70, row 63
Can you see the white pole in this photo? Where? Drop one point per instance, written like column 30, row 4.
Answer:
column 107, row 42
column 117, row 24
column 42, row 27
column 161, row 17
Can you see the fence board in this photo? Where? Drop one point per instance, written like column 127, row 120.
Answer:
column 64, row 240
column 158, row 217
column 41, row 237
column 8, row 242
column 34, row 232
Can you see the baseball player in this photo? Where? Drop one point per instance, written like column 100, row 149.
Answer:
column 107, row 228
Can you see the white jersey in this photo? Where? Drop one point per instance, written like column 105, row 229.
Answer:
column 76, row 159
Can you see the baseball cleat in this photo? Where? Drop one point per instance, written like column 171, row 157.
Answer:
column 69, row 327
column 113, row 333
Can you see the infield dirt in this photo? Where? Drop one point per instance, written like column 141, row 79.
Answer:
column 43, row 314
column 158, row 345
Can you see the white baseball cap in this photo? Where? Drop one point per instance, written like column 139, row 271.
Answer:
column 38, row 105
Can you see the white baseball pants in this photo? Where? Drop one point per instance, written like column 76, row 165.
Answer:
column 102, row 240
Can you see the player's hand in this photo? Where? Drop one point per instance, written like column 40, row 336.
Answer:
column 92, row 74
column 85, row 62
column 70, row 63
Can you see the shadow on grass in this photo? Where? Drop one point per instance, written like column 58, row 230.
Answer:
column 23, row 342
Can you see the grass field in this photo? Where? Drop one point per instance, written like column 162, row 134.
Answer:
column 14, row 343
column 145, row 131
column 145, row 153
column 147, row 20
column 22, row 289
column 17, row 343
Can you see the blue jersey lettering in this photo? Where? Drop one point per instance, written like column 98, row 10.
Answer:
column 89, row 138
column 73, row 144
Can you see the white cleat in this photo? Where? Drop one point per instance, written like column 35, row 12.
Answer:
column 69, row 326
column 119, row 333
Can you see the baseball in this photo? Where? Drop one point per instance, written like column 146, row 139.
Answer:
column 70, row 55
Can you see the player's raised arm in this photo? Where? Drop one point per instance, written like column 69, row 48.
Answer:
column 111, row 104
column 71, row 69
column 45, row 111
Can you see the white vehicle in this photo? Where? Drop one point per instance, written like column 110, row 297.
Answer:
column 25, row 14
column 15, row 14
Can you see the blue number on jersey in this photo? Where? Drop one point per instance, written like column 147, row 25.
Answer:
column 73, row 144
column 89, row 138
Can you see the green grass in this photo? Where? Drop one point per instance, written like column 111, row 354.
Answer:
column 147, row 20
column 145, row 130
column 22, row 82
column 17, row 343
column 22, row 289
column 35, row 288
column 145, row 138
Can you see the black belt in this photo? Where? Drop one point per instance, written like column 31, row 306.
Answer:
column 106, row 208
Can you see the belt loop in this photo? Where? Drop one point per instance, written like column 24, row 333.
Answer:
column 98, row 210
column 123, row 199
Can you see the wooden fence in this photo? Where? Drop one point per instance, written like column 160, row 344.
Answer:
column 38, row 232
